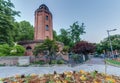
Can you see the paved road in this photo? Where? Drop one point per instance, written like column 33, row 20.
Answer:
column 93, row 64
column 98, row 61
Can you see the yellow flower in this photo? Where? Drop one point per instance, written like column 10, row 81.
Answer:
column 64, row 81
column 56, row 76
column 58, row 81
column 40, row 75
column 82, row 72
column 1, row 79
column 95, row 81
column 33, row 75
column 110, row 80
column 83, row 78
column 68, row 74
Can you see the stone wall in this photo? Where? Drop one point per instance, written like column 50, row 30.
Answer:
column 12, row 60
column 9, row 60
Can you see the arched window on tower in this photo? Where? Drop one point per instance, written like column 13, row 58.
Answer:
column 47, row 27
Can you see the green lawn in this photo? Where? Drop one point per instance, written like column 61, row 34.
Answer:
column 113, row 62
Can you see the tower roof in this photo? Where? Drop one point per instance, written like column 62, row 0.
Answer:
column 42, row 8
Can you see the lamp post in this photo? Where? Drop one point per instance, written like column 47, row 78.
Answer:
column 110, row 39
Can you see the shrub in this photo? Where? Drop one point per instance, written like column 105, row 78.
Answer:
column 60, row 62
column 83, row 47
column 41, row 62
column 53, row 62
column 17, row 50
column 5, row 50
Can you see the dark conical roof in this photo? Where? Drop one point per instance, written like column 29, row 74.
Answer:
column 43, row 7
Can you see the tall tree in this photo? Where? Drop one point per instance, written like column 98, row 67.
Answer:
column 24, row 31
column 64, row 37
column 55, row 36
column 105, row 44
column 75, row 31
column 7, row 21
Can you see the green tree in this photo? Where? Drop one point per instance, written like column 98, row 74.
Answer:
column 75, row 31
column 49, row 46
column 7, row 21
column 55, row 36
column 105, row 44
column 23, row 31
column 64, row 37
column 5, row 50
column 66, row 49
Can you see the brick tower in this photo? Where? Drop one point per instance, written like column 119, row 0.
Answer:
column 43, row 23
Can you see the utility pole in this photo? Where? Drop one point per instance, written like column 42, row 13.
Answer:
column 110, row 40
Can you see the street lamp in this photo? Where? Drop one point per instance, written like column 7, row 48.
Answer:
column 110, row 39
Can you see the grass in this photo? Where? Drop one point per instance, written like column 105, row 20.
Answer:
column 113, row 62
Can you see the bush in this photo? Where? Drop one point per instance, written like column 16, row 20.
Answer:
column 53, row 62
column 60, row 62
column 5, row 50
column 17, row 50
column 41, row 62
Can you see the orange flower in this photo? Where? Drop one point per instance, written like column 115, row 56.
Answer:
column 95, row 81
column 65, row 81
column 110, row 80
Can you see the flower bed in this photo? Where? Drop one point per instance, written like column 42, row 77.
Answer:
column 66, row 77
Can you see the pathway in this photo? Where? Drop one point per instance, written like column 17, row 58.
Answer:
column 93, row 64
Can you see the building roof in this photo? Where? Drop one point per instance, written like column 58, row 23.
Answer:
column 43, row 8
column 30, row 42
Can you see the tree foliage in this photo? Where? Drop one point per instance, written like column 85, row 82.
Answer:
column 48, row 46
column 16, row 50
column 7, row 21
column 65, row 38
column 105, row 44
column 75, row 31
column 83, row 47
column 55, row 36
column 23, row 31
column 71, row 35
column 5, row 50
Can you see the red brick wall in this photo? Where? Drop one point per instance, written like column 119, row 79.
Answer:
column 40, row 26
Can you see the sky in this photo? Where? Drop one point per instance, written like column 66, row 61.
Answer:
column 97, row 15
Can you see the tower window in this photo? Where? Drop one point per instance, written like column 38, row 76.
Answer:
column 47, row 28
column 46, row 17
